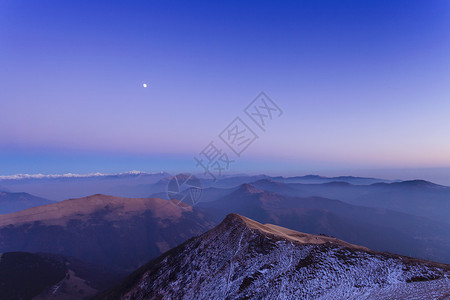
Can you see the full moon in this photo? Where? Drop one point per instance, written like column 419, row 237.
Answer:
column 144, row 85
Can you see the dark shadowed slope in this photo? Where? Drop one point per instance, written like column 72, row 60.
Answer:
column 376, row 228
column 12, row 202
column 120, row 232
column 48, row 276
column 243, row 259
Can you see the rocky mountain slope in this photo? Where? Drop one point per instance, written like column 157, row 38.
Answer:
column 123, row 233
column 243, row 259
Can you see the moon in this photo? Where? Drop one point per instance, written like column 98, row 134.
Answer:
column 144, row 85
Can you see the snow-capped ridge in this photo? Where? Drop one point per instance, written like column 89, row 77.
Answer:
column 74, row 175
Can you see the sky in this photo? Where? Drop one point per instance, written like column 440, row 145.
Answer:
column 363, row 85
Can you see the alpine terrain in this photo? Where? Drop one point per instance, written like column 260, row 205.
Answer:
column 243, row 259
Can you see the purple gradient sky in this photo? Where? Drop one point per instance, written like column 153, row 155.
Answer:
column 364, row 84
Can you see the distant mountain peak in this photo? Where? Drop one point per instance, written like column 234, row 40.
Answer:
column 266, row 180
column 310, row 176
column 337, row 183
column 416, row 182
column 409, row 183
column 13, row 202
column 249, row 188
column 269, row 181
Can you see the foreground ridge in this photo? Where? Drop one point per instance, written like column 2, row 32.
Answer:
column 241, row 258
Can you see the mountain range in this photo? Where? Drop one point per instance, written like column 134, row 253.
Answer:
column 121, row 234
column 137, row 184
column 416, row 197
column 126, row 232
